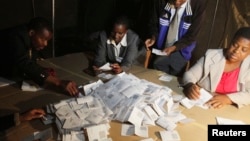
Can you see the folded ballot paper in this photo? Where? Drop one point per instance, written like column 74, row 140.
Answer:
column 105, row 67
column 30, row 86
column 204, row 97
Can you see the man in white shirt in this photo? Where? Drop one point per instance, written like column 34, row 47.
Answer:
column 118, row 47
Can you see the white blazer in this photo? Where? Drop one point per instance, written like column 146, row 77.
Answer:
column 208, row 70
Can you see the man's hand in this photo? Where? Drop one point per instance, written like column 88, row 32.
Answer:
column 67, row 85
column 32, row 114
column 96, row 70
column 149, row 42
column 169, row 50
column 70, row 87
column 116, row 68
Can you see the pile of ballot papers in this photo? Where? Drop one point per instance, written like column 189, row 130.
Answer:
column 125, row 98
column 75, row 114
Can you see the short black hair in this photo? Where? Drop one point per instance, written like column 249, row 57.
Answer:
column 242, row 32
column 39, row 23
column 122, row 20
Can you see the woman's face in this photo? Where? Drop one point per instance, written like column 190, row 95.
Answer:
column 238, row 50
column 118, row 32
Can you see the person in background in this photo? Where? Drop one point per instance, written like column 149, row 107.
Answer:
column 19, row 52
column 12, row 120
column 173, row 29
column 118, row 47
column 225, row 73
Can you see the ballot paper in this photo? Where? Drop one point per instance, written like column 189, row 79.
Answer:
column 105, row 67
column 85, row 99
column 149, row 139
column 88, row 88
column 151, row 113
column 158, row 52
column 141, row 131
column 127, row 130
column 177, row 97
column 29, row 86
column 47, row 119
column 113, row 100
column 130, row 91
column 43, row 135
column 74, row 136
column 72, row 122
column 165, row 77
column 166, row 124
column 226, row 121
column 98, row 132
column 64, row 112
column 106, row 76
column 136, row 117
column 175, row 117
column 5, row 82
column 204, row 97
column 148, row 121
column 170, row 135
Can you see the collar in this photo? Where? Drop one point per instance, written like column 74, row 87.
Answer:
column 122, row 43
column 185, row 5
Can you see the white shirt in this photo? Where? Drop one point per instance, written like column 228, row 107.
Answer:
column 180, row 13
column 117, row 47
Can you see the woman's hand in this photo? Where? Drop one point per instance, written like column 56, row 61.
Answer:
column 218, row 101
column 116, row 68
column 192, row 91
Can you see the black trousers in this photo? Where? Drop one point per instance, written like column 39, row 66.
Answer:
column 173, row 64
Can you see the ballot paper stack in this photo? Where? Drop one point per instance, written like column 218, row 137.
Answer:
column 124, row 98
column 75, row 115
column 138, row 102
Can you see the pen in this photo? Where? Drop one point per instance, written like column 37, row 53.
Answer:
column 44, row 118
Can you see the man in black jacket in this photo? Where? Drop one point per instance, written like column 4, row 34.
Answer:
column 19, row 47
column 174, row 27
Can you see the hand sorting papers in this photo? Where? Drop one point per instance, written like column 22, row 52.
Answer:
column 105, row 67
column 204, row 97
column 158, row 52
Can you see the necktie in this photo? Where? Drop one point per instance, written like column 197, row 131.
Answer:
column 173, row 30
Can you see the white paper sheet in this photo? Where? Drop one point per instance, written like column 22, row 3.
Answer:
column 158, row 52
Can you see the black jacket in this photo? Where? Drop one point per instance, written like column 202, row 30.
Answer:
column 198, row 11
column 15, row 60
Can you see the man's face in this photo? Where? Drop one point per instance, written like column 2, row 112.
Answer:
column 40, row 39
column 118, row 32
column 177, row 3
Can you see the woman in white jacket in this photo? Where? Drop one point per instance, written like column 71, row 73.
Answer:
column 223, row 72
